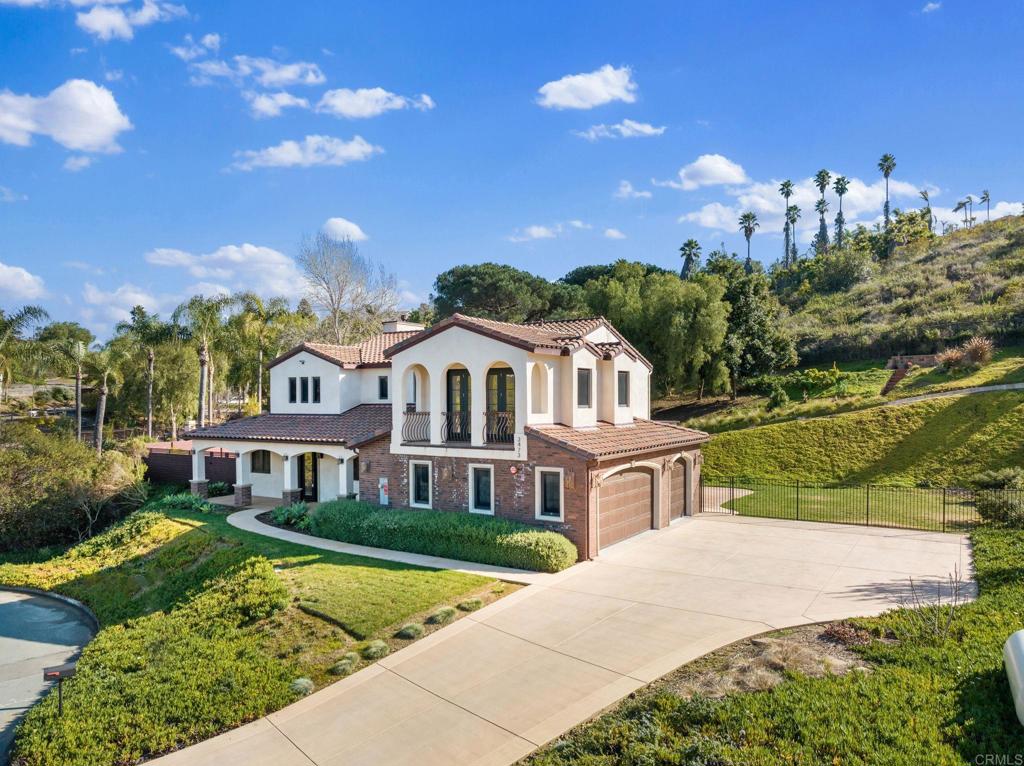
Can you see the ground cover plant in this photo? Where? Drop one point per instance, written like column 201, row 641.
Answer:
column 205, row 627
column 438, row 533
column 935, row 692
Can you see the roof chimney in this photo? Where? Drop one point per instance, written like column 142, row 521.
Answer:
column 400, row 323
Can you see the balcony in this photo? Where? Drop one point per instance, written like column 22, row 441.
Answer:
column 416, row 427
column 499, row 427
column 455, row 427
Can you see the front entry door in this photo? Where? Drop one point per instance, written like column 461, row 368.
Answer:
column 308, row 476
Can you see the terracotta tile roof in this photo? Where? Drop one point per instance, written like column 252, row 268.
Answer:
column 608, row 440
column 353, row 427
column 369, row 353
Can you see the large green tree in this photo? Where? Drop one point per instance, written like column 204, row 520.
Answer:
column 145, row 332
column 103, row 368
column 16, row 349
column 201, row 320
column 260, row 319
column 69, row 355
column 504, row 293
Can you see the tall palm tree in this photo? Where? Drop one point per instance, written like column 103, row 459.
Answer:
column 987, row 199
column 200, row 319
column 259, row 317
column 71, row 354
column 792, row 216
column 970, row 209
column 690, row 253
column 145, row 331
column 748, row 225
column 840, row 186
column 103, row 368
column 887, row 164
column 927, row 206
column 14, row 347
column 961, row 205
column 786, row 190
column 821, row 207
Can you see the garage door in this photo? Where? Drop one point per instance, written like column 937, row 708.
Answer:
column 625, row 506
column 677, row 489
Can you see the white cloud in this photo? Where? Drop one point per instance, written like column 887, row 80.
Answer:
column 613, row 234
column 78, row 115
column 76, row 163
column 626, row 191
column 998, row 210
column 190, row 49
column 113, row 75
column 272, row 104
column 267, row 72
column 19, row 283
column 578, row 224
column 107, row 22
column 9, row 195
column 211, row 41
column 312, row 150
column 929, row 7
column 111, row 306
column 714, row 215
column 369, row 102
column 234, row 267
column 707, row 170
column 538, row 231
column 342, row 228
column 624, row 129
column 585, row 91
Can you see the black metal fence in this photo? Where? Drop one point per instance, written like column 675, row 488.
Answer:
column 934, row 509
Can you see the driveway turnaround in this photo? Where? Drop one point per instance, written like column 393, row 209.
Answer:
column 498, row 683
column 35, row 631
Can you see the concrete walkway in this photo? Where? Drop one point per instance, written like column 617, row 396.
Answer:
column 955, row 392
column 35, row 631
column 498, row 683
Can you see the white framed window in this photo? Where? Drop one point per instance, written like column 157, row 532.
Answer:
column 421, row 484
column 481, row 488
column 549, row 494
column 622, row 378
column 382, row 387
column 584, row 375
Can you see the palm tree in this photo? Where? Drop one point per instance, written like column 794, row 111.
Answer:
column 987, row 199
column 748, row 225
column 71, row 355
column 200, row 320
column 970, row 208
column 961, row 205
column 786, row 190
column 887, row 164
column 103, row 368
column 146, row 332
column 792, row 216
column 258, row 318
column 841, row 186
column 821, row 207
column 927, row 206
column 690, row 253
column 14, row 348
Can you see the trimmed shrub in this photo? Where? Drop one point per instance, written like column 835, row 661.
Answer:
column 218, row 489
column 181, row 501
column 1001, row 478
column 442, row 616
column 375, row 650
column 302, row 687
column 471, row 604
column 777, row 398
column 1000, row 506
column 290, row 515
column 440, row 533
column 411, row 631
column 345, row 665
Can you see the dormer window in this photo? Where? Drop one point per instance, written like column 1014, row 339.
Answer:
column 584, row 381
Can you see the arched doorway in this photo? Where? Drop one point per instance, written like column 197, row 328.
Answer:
column 680, row 502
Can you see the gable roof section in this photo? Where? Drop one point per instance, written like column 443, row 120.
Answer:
column 369, row 353
column 355, row 426
column 607, row 440
column 562, row 336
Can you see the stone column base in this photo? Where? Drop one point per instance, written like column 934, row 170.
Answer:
column 199, row 488
column 290, row 496
column 243, row 495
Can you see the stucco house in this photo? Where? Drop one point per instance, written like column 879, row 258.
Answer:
column 546, row 423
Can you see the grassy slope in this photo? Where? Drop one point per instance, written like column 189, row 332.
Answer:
column 942, row 442
column 933, row 697
column 203, row 630
column 1006, row 367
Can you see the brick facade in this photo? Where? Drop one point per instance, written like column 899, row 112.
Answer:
column 514, row 492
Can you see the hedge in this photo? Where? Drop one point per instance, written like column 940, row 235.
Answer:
column 441, row 533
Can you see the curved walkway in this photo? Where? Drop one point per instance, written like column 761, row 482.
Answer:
column 35, row 631
column 502, row 681
column 955, row 392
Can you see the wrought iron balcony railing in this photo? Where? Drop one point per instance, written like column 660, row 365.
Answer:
column 416, row 427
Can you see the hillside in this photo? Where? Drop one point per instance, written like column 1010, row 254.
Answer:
column 942, row 442
column 928, row 292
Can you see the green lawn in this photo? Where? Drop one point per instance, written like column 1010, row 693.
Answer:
column 941, row 442
column 1006, row 367
column 205, row 627
column 933, row 696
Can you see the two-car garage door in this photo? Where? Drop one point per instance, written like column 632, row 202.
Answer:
column 625, row 506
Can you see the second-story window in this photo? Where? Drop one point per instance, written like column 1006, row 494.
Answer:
column 316, row 390
column 583, row 387
column 623, row 381
column 382, row 387
column 304, row 388
column 292, row 390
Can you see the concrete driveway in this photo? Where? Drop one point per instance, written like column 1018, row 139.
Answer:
column 497, row 684
column 35, row 631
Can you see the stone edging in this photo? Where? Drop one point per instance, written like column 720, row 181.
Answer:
column 67, row 600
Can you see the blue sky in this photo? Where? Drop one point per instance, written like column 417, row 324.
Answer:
column 151, row 149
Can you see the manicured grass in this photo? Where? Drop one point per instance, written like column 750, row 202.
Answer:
column 932, row 697
column 941, row 442
column 205, row 627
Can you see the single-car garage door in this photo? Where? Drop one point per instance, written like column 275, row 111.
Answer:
column 625, row 506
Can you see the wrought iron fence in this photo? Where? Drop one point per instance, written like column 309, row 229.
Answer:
column 455, row 426
column 499, row 426
column 416, row 427
column 935, row 509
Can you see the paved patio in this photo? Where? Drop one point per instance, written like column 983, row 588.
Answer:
column 497, row 684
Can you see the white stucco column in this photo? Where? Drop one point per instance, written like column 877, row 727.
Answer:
column 288, row 467
column 437, row 393
column 477, row 404
column 198, row 465
column 344, row 485
column 242, row 468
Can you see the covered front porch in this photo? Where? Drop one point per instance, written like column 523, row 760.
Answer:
column 280, row 472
